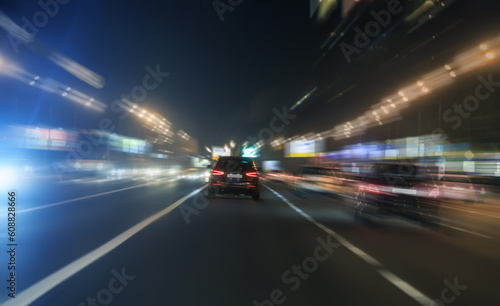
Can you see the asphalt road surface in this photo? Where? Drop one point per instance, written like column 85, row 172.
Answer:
column 162, row 243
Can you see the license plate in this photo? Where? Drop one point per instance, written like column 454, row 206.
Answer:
column 230, row 175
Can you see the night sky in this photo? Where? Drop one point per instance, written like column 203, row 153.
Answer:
column 225, row 76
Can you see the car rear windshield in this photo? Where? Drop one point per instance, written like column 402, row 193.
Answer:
column 234, row 165
column 318, row 171
column 397, row 175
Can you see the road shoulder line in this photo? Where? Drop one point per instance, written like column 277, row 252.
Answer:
column 411, row 291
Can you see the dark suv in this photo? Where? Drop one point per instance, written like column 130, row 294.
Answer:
column 319, row 179
column 402, row 189
column 234, row 175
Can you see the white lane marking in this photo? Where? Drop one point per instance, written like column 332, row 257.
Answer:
column 398, row 282
column 43, row 286
column 87, row 197
column 471, row 211
column 467, row 231
column 405, row 287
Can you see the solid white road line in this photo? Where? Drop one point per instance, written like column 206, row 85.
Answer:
column 467, row 231
column 43, row 286
column 472, row 211
column 88, row 197
column 411, row 291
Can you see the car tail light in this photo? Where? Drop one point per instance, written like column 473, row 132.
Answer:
column 252, row 186
column 372, row 188
column 434, row 192
column 217, row 172
column 251, row 174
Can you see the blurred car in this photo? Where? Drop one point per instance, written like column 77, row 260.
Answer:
column 455, row 187
column 486, row 185
column 278, row 175
column 318, row 179
column 401, row 189
column 234, row 175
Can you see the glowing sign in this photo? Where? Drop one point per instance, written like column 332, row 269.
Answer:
column 57, row 139
column 37, row 138
column 469, row 166
column 250, row 152
column 220, row 151
column 304, row 148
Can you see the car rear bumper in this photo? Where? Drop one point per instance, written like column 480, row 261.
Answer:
column 219, row 187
